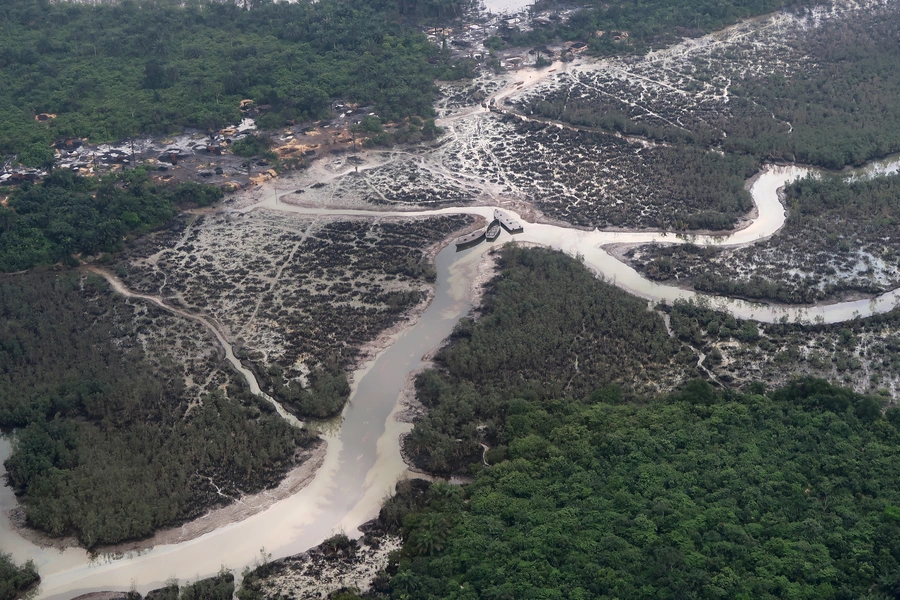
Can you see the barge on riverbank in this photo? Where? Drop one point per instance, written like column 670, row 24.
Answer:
column 509, row 224
column 491, row 232
column 471, row 239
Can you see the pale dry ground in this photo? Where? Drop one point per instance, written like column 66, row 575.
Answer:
column 555, row 175
column 175, row 346
column 293, row 291
column 864, row 360
column 584, row 178
column 314, row 576
column 687, row 85
column 808, row 266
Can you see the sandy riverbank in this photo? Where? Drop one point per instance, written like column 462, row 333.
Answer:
column 410, row 409
column 295, row 479
column 242, row 508
column 369, row 352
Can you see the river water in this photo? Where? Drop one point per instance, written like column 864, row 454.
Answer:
column 770, row 218
column 361, row 466
column 363, row 460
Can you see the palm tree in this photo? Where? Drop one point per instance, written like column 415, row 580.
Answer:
column 406, row 583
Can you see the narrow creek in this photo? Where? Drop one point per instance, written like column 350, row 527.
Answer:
column 235, row 362
column 363, row 461
column 589, row 245
column 361, row 465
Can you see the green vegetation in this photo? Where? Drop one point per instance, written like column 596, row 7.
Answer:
column 820, row 199
column 861, row 353
column 650, row 23
column 833, row 225
column 220, row 587
column 837, row 108
column 15, row 580
column 411, row 131
column 550, row 330
column 324, row 397
column 701, row 493
column 68, row 214
column 843, row 109
column 111, row 70
column 110, row 447
column 252, row 145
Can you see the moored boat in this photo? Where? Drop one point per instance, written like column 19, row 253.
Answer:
column 470, row 239
column 509, row 224
column 493, row 231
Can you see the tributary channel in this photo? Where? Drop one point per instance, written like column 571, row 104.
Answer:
column 363, row 460
column 361, row 466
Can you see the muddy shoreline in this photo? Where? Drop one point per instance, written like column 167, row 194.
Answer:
column 619, row 251
column 369, row 352
column 410, row 409
column 242, row 508
column 294, row 480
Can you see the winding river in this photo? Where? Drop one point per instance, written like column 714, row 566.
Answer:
column 363, row 460
column 361, row 465
column 589, row 245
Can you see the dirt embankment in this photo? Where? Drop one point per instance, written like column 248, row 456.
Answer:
column 336, row 564
column 411, row 409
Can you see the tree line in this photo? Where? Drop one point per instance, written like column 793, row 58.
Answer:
column 702, row 493
column 108, row 71
column 833, row 222
column 591, row 492
column 839, row 108
column 550, row 329
column 108, row 446
column 68, row 214
column 650, row 23
column 15, row 580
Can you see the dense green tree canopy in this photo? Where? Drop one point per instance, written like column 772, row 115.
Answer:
column 700, row 493
column 550, row 329
column 112, row 70
column 697, row 495
column 68, row 214
column 14, row 580
column 110, row 446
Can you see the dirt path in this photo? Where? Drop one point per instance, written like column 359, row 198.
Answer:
column 121, row 288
